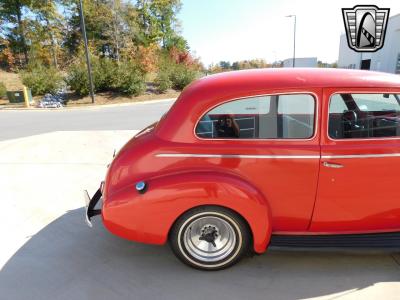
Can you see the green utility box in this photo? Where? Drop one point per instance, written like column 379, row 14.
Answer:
column 18, row 96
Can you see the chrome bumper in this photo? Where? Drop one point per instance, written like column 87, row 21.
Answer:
column 90, row 204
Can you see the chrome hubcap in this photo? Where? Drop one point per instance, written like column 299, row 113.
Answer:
column 209, row 239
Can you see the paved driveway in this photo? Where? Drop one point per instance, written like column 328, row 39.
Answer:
column 48, row 252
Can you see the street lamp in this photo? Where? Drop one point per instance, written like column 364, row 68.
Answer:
column 89, row 69
column 294, row 38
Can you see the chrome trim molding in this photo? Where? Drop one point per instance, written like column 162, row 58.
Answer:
column 201, row 155
column 361, row 156
column 261, row 156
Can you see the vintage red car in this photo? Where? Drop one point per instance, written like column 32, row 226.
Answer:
column 271, row 157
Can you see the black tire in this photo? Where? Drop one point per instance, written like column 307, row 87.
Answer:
column 232, row 238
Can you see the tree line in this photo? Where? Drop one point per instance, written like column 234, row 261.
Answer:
column 224, row 66
column 130, row 42
column 127, row 40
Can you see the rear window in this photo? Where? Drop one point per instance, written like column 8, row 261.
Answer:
column 263, row 117
column 364, row 116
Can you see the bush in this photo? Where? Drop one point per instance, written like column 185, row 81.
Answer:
column 174, row 75
column 3, row 90
column 163, row 81
column 41, row 79
column 181, row 76
column 77, row 79
column 108, row 75
column 129, row 79
column 104, row 73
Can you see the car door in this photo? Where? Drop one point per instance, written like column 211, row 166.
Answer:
column 271, row 140
column 358, row 189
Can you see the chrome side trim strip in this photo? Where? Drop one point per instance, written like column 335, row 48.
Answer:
column 200, row 155
column 361, row 156
column 261, row 156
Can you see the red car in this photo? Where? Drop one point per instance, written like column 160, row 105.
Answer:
column 270, row 157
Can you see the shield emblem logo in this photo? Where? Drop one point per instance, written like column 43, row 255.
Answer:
column 365, row 27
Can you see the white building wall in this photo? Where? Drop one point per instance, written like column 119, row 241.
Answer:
column 387, row 56
column 301, row 62
column 348, row 58
column 383, row 60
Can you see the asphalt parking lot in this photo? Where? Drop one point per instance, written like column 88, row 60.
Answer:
column 48, row 252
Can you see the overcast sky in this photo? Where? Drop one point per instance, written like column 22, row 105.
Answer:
column 245, row 29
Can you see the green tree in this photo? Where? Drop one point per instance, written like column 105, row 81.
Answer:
column 13, row 24
column 111, row 27
column 159, row 23
column 226, row 65
column 165, row 11
column 51, row 21
column 149, row 30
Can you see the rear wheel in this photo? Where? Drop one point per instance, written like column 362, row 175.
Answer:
column 210, row 238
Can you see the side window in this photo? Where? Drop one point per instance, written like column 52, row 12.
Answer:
column 364, row 116
column 296, row 115
column 263, row 117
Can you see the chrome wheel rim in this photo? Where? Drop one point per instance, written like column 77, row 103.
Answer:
column 209, row 239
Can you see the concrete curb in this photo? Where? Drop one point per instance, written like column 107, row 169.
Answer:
column 88, row 106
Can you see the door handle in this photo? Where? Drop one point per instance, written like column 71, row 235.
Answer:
column 332, row 165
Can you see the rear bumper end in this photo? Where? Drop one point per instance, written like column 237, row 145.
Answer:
column 90, row 204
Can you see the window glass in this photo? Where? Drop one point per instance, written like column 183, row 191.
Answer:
column 398, row 64
column 259, row 105
column 364, row 116
column 337, row 105
column 264, row 117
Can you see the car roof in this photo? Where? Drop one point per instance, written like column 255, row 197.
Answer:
column 301, row 77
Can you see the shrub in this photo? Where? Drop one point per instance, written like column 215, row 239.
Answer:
column 3, row 90
column 104, row 72
column 129, row 79
column 163, row 81
column 108, row 75
column 174, row 75
column 77, row 79
column 181, row 76
column 41, row 79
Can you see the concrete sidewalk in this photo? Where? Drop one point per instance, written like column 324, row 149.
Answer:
column 48, row 252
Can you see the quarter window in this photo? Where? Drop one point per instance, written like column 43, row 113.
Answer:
column 263, row 117
column 364, row 116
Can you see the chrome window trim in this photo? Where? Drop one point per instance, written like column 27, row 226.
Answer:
column 357, row 139
column 316, row 117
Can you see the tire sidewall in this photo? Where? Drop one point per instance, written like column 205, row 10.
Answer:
column 239, row 227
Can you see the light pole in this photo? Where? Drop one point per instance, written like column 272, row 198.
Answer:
column 83, row 28
column 294, row 39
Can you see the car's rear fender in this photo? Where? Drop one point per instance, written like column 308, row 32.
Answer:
column 148, row 217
